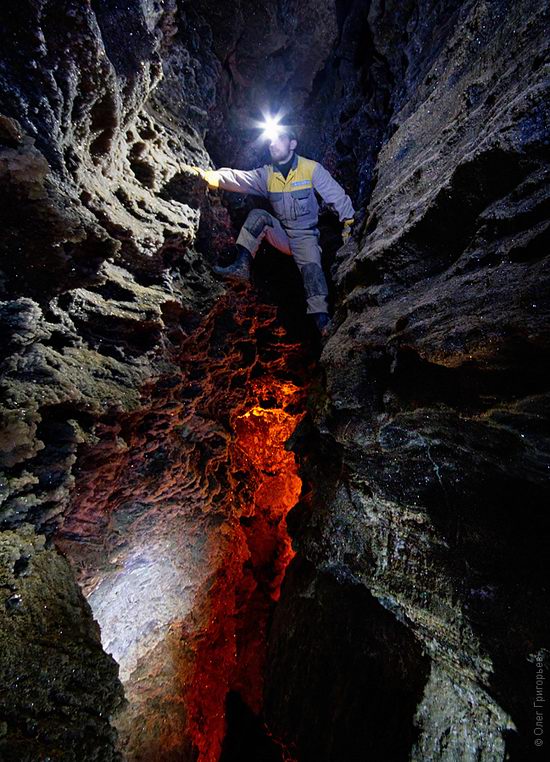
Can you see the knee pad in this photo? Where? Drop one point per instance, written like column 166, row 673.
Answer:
column 256, row 221
column 314, row 280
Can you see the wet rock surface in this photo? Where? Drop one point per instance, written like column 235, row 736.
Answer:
column 128, row 370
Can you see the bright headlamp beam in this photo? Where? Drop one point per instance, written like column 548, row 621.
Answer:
column 271, row 128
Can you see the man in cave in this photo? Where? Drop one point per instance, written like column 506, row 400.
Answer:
column 289, row 183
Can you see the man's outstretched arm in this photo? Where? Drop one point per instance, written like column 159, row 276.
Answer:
column 251, row 181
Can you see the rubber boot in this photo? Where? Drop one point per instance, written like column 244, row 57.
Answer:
column 323, row 323
column 240, row 269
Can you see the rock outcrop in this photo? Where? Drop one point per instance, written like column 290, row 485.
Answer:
column 59, row 687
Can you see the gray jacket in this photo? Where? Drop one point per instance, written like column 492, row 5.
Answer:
column 293, row 199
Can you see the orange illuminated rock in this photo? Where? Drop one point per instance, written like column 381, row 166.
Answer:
column 231, row 652
column 178, row 533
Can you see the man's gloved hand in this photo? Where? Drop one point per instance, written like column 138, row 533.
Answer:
column 210, row 176
column 346, row 230
column 193, row 170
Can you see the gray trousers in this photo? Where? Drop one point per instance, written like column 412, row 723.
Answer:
column 303, row 245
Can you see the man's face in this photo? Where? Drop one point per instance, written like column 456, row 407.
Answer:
column 281, row 148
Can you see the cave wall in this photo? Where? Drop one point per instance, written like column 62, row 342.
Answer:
column 436, row 396
column 100, row 282
column 59, row 687
column 125, row 372
column 424, row 457
column 97, row 259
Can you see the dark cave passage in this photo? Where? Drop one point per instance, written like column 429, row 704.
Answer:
column 223, row 537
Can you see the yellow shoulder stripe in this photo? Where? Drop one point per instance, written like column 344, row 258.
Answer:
column 302, row 173
column 304, row 170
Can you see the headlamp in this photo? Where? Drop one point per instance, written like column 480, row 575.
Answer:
column 271, row 128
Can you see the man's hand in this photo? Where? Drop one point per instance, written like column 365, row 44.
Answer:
column 346, row 230
column 210, row 176
column 193, row 170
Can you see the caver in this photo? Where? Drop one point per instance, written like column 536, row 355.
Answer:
column 290, row 184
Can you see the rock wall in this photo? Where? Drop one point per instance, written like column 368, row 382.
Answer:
column 97, row 254
column 126, row 370
column 59, row 688
column 126, row 373
column 436, row 397
column 101, row 280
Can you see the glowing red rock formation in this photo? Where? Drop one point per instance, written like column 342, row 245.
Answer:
column 232, row 647
column 177, row 529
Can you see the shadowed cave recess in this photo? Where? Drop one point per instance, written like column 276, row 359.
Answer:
column 221, row 539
